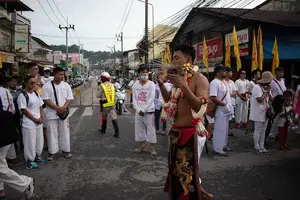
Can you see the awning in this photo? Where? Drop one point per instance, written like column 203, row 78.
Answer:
column 15, row 5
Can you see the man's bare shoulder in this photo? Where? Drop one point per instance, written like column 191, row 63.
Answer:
column 201, row 79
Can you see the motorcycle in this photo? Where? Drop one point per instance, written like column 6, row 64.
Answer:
column 120, row 95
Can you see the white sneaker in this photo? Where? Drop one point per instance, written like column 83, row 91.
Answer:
column 28, row 193
column 263, row 150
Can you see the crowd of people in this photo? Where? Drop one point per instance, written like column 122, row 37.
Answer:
column 180, row 103
column 38, row 109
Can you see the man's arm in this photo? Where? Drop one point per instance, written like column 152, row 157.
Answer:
column 69, row 97
column 164, row 92
column 213, row 93
column 134, row 100
column 202, row 90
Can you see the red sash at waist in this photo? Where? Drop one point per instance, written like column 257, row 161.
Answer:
column 185, row 133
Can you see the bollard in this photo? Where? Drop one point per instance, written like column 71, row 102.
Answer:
column 78, row 92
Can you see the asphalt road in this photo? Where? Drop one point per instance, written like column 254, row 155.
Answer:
column 104, row 168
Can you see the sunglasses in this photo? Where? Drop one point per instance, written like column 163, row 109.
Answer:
column 32, row 82
column 243, row 73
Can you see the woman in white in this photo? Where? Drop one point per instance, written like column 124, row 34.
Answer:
column 143, row 102
column 30, row 104
column 20, row 183
column 261, row 95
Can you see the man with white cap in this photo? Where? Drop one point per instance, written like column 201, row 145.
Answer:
column 46, row 78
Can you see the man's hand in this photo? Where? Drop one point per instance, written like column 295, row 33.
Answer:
column 37, row 121
column 141, row 113
column 59, row 110
column 177, row 80
column 40, row 120
column 160, row 78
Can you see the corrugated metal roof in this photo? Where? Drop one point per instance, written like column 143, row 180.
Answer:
column 274, row 17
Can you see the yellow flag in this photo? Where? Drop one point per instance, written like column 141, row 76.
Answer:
column 0, row 61
column 260, row 50
column 236, row 49
column 254, row 52
column 275, row 61
column 168, row 55
column 205, row 54
column 228, row 53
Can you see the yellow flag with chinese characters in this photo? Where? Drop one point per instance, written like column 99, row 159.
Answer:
column 275, row 61
column 0, row 61
column 228, row 53
column 260, row 50
column 205, row 54
column 236, row 49
column 254, row 52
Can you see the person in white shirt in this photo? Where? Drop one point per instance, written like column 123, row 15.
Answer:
column 277, row 88
column 20, row 183
column 143, row 102
column 261, row 95
column 158, row 108
column 116, row 84
column 255, row 75
column 46, row 78
column 242, row 100
column 232, row 91
column 130, row 84
column 30, row 104
column 58, row 130
column 219, row 93
column 277, row 84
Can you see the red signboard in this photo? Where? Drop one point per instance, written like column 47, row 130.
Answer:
column 214, row 49
column 244, row 50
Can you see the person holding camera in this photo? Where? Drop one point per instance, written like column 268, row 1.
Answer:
column 58, row 96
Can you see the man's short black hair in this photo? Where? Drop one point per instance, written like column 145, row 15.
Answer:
column 186, row 49
column 143, row 68
column 2, row 79
column 279, row 69
column 32, row 64
column 288, row 93
column 57, row 69
column 254, row 72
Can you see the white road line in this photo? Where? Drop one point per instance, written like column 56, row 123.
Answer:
column 88, row 111
column 72, row 111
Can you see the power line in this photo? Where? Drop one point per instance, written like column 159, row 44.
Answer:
column 54, row 12
column 59, row 10
column 47, row 14
column 92, row 38
column 127, row 16
column 123, row 16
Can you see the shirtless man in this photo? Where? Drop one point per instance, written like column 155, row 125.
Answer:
column 186, row 140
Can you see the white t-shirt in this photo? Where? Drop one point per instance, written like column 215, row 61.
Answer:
column 276, row 90
column 251, row 86
column 241, row 86
column 232, row 88
column 131, row 83
column 33, row 108
column 63, row 92
column 7, row 104
column 258, row 110
column 143, row 97
column 46, row 80
column 218, row 89
column 158, row 96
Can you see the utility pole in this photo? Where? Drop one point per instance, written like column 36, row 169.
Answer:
column 120, row 38
column 69, row 26
column 146, row 33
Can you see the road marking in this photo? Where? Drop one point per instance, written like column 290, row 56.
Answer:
column 72, row 111
column 88, row 111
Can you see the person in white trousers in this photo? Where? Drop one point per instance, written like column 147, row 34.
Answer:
column 219, row 94
column 22, row 184
column 242, row 100
column 30, row 104
column 261, row 95
column 58, row 130
column 143, row 92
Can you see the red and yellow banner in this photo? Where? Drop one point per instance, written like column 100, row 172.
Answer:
column 205, row 55
column 227, row 53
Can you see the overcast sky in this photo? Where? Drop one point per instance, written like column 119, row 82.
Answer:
column 97, row 21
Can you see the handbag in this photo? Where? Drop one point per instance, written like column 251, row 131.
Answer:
column 9, row 132
column 270, row 113
column 66, row 113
